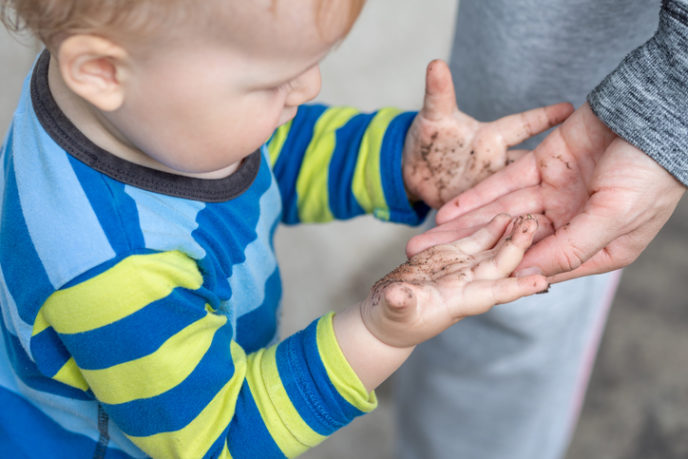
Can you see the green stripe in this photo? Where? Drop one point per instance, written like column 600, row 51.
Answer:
column 71, row 311
column 291, row 433
column 367, row 180
column 343, row 377
column 276, row 142
column 312, row 183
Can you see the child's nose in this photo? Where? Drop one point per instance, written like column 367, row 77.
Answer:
column 305, row 87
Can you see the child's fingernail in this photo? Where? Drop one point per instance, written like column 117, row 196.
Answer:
column 528, row 271
column 546, row 290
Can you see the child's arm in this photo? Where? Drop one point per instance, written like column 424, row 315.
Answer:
column 145, row 338
column 447, row 152
column 337, row 163
column 432, row 291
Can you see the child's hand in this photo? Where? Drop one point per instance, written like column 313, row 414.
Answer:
column 447, row 152
column 443, row 284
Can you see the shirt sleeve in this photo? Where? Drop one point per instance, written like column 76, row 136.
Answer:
column 337, row 163
column 645, row 100
column 142, row 337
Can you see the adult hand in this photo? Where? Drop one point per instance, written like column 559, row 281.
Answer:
column 601, row 201
column 446, row 151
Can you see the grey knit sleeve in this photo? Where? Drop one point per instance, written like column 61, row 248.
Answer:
column 645, row 100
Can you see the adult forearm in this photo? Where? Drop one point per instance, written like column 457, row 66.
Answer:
column 645, row 100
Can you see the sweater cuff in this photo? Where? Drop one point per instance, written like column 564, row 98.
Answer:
column 645, row 100
column 400, row 210
column 342, row 376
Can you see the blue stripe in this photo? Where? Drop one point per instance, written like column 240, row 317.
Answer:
column 343, row 203
column 248, row 437
column 50, row 352
column 393, row 187
column 217, row 446
column 17, row 441
column 115, row 210
column 29, row 373
column 306, row 382
column 289, row 161
column 144, row 331
column 176, row 408
column 336, row 405
column 26, row 279
column 235, row 220
column 258, row 328
column 249, row 277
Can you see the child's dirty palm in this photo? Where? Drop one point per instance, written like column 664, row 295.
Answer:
column 447, row 152
column 443, row 284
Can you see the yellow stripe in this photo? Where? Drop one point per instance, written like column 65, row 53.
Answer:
column 162, row 370
column 71, row 375
column 367, row 182
column 109, row 297
column 225, row 452
column 196, row 437
column 40, row 324
column 311, row 185
column 291, row 433
column 277, row 142
column 343, row 377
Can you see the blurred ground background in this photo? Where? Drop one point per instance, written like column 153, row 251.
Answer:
column 637, row 405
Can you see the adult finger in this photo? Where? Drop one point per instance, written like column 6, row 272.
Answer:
column 521, row 174
column 521, row 126
column 520, row 202
column 601, row 262
column 440, row 99
column 571, row 245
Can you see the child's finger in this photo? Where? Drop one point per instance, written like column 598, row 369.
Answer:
column 485, row 238
column 521, row 126
column 510, row 251
column 479, row 296
column 440, row 99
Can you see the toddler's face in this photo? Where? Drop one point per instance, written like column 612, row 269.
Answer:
column 203, row 106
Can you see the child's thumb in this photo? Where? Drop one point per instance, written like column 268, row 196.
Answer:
column 440, row 99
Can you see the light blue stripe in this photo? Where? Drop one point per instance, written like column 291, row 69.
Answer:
column 248, row 279
column 156, row 211
column 75, row 239
column 76, row 416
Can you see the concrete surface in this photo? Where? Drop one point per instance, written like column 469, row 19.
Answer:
column 637, row 406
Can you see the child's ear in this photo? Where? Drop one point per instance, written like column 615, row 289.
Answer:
column 95, row 69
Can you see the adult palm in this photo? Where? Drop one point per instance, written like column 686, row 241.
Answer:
column 600, row 200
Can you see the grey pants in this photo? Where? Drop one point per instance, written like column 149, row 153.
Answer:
column 509, row 384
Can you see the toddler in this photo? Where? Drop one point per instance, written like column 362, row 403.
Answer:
column 156, row 146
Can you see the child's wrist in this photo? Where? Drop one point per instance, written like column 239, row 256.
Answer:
column 372, row 359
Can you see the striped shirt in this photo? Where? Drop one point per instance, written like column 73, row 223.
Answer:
column 139, row 308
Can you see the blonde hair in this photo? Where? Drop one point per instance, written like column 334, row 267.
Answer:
column 53, row 20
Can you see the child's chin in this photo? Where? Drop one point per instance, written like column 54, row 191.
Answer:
column 287, row 116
